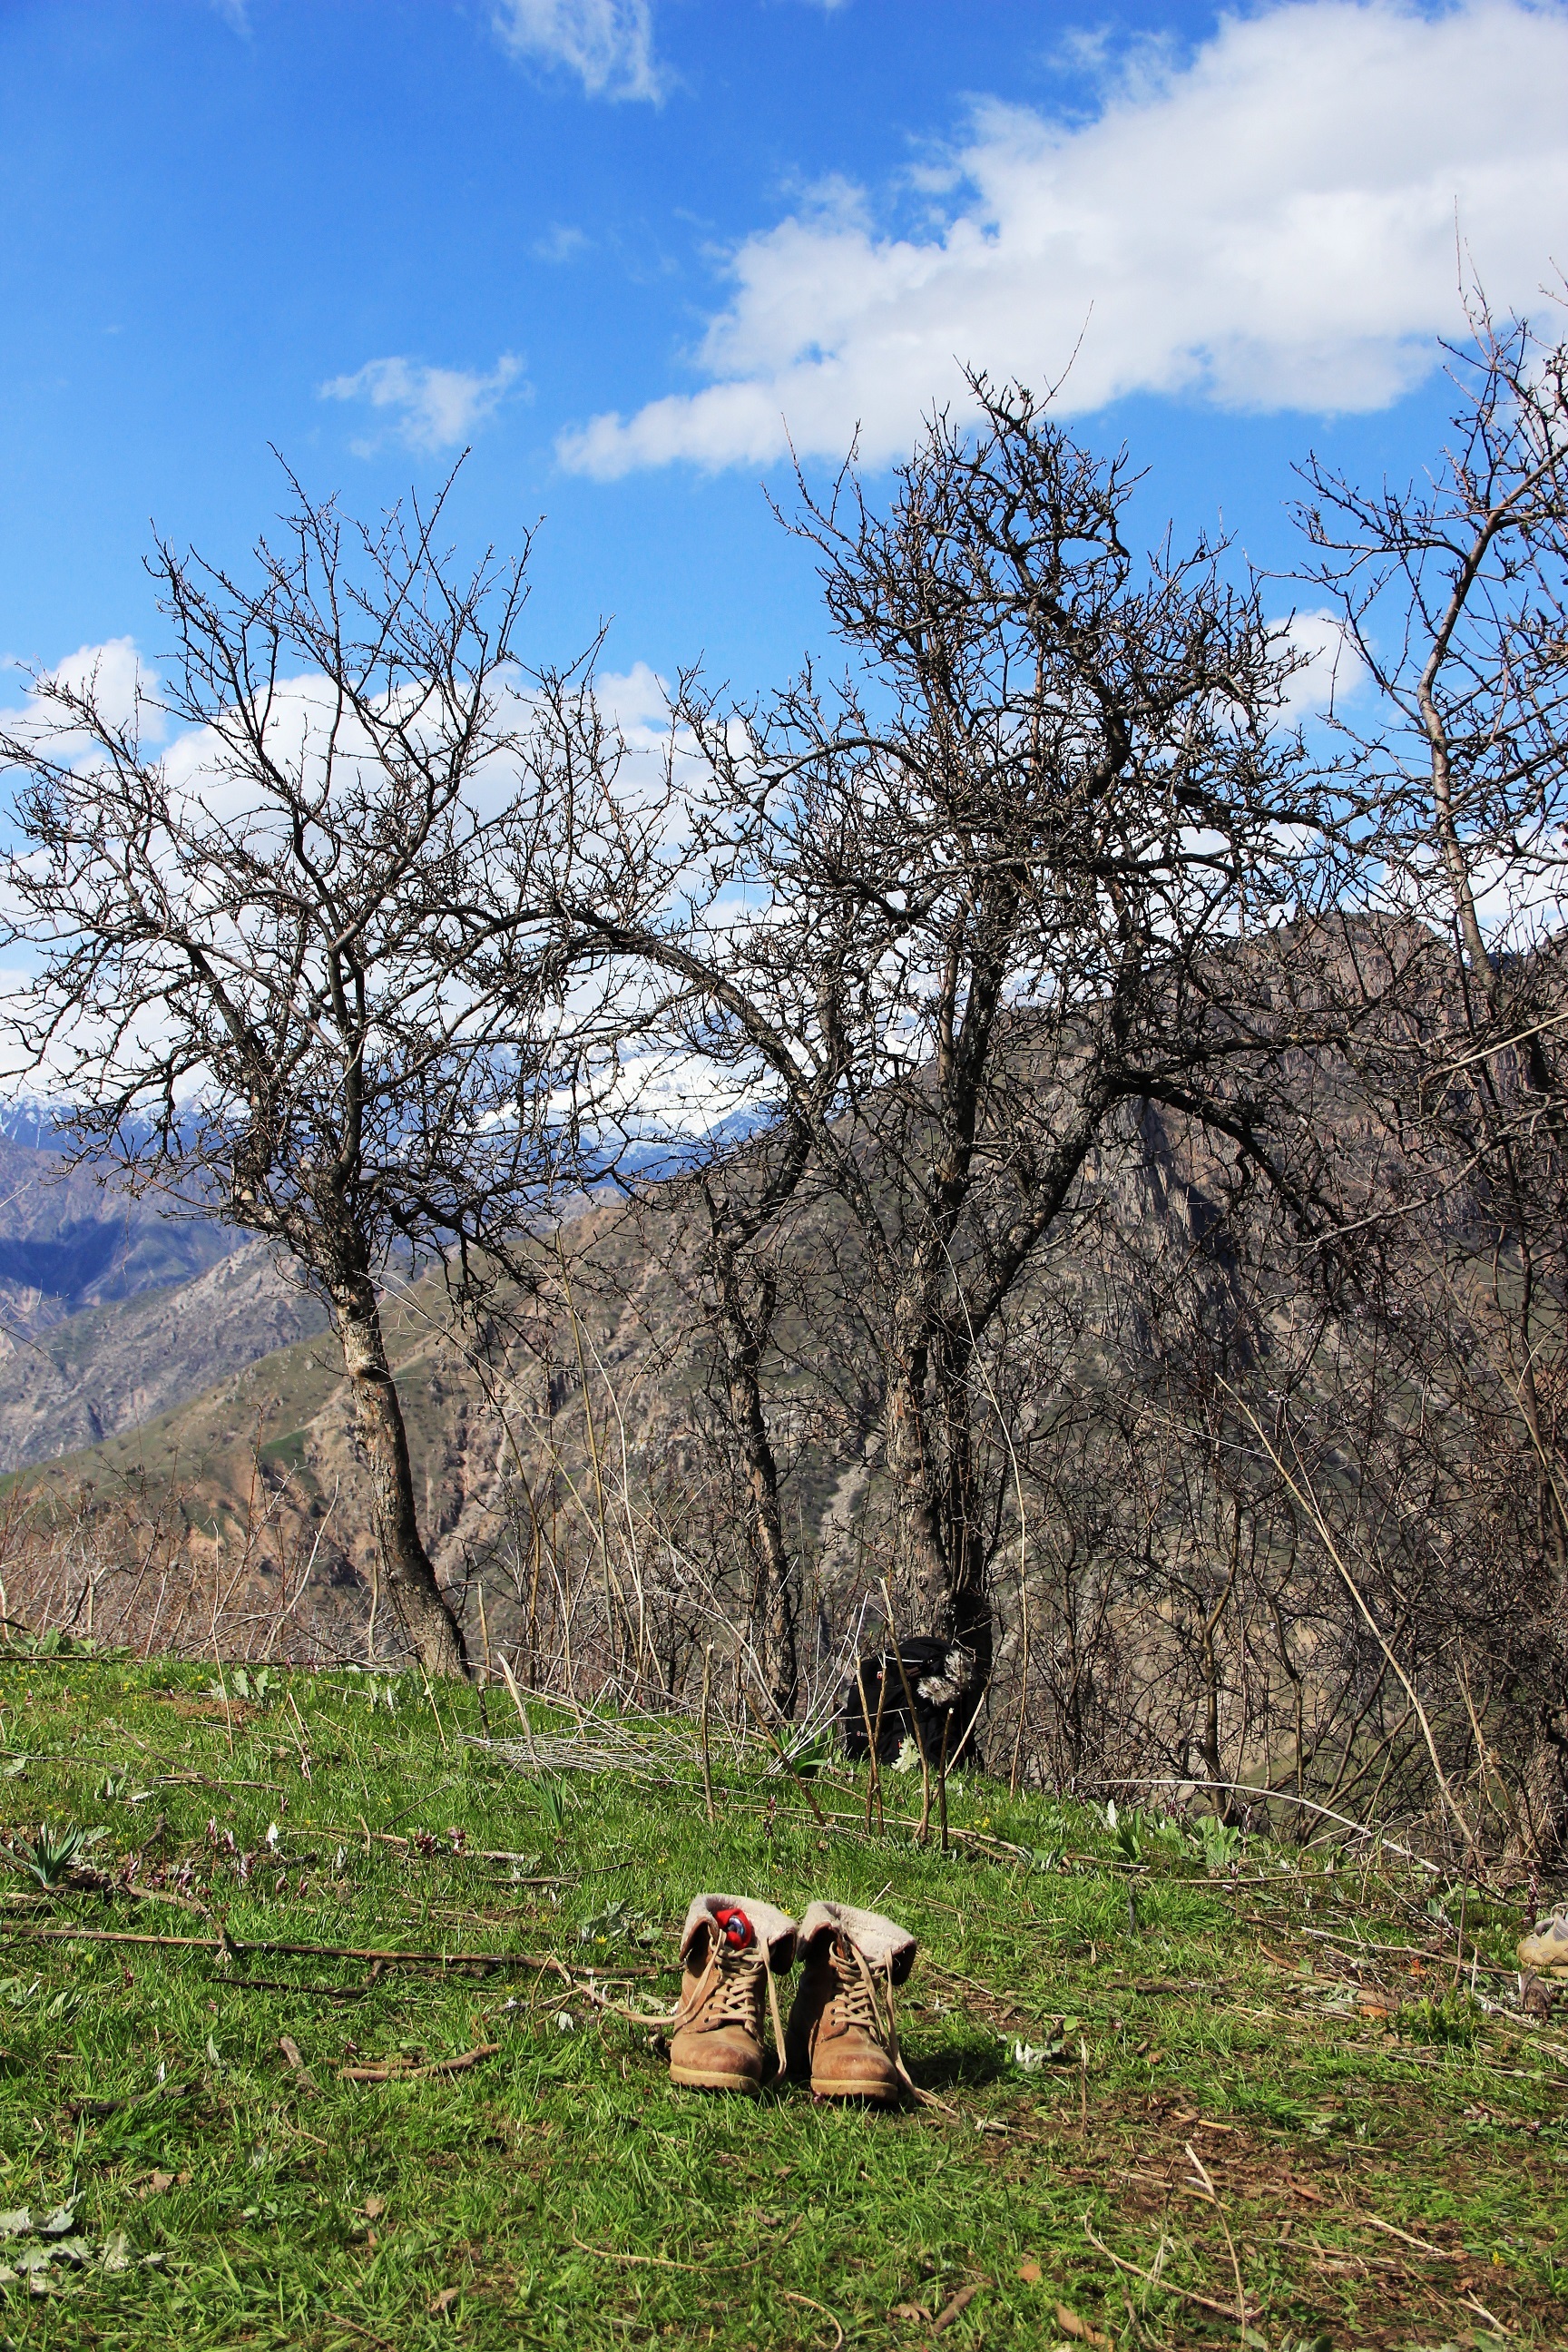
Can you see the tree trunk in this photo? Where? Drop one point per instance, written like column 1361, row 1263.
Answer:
column 1542, row 1831
column 939, row 1540
column 772, row 1608
column 426, row 1622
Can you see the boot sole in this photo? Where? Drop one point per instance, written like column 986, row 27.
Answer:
column 694, row 2078
column 820, row 2090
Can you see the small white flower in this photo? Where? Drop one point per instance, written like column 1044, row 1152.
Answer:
column 565, row 2024
column 1027, row 2059
column 272, row 1834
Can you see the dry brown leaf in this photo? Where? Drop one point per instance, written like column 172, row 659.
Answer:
column 290, row 2049
column 959, row 2302
column 911, row 2311
column 1030, row 2273
column 441, row 2304
column 158, row 2183
column 1071, row 2324
column 373, row 2206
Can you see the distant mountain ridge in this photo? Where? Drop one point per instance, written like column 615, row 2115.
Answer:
column 112, row 1310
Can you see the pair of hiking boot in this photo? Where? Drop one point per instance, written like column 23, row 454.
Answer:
column 841, row 2036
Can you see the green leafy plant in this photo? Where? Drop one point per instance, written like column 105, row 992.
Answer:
column 54, row 1854
column 552, row 1804
column 257, row 1689
column 618, row 1922
column 1451, row 2020
column 1125, row 1828
column 1220, row 1843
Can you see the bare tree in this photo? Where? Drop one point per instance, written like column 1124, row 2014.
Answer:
column 1454, row 595
column 963, row 905
column 297, row 969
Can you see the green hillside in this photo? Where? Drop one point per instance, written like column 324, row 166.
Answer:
column 1182, row 2089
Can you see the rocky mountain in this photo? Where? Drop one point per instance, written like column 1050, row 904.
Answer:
column 111, row 1312
column 107, row 1369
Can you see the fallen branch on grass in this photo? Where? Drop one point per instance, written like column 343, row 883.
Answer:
column 393, row 2071
column 655, row 2261
column 99, row 2108
column 228, row 1947
column 1151, row 2278
column 808, row 2304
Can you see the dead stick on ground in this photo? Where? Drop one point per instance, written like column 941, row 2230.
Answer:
column 1197, row 2164
column 655, row 2261
column 1422, row 2245
column 390, row 2073
column 336, row 2319
column 808, row 2304
column 233, row 1949
column 1167, row 2286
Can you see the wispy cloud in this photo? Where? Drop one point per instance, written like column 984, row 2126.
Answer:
column 1269, row 223
column 561, row 243
column 607, row 44
column 428, row 408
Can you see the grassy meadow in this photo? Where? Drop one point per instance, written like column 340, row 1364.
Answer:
column 1183, row 2090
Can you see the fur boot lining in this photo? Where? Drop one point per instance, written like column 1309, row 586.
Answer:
column 774, row 1930
column 880, row 1941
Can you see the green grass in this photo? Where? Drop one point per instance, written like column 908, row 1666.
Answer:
column 145, row 2084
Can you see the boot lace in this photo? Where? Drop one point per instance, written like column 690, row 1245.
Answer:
column 727, row 1992
column 856, row 1999
column 864, row 1997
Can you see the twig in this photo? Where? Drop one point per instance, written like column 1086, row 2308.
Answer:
column 1422, row 2245
column 231, row 1949
column 337, row 2320
column 658, row 2262
column 1195, row 2160
column 1165, row 2286
column 1400, row 1951
column 395, row 2073
column 810, row 2305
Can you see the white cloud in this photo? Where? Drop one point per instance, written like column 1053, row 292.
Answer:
column 431, row 407
column 125, row 689
column 1269, row 225
column 1331, row 670
column 608, row 43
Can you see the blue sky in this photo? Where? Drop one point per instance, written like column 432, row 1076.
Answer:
column 610, row 242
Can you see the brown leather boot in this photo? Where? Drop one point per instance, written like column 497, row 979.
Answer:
column 733, row 1950
column 842, row 2033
